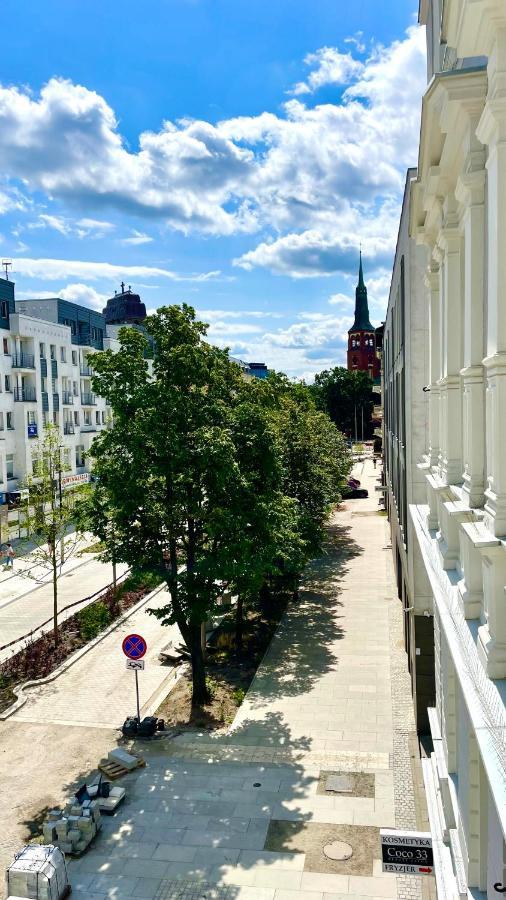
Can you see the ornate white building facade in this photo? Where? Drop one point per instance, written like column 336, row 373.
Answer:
column 458, row 213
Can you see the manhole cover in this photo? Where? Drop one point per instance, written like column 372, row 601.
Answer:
column 338, row 850
column 340, row 784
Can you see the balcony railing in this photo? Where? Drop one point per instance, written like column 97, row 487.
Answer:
column 23, row 361
column 56, row 402
column 86, row 371
column 67, row 398
column 68, row 428
column 54, row 368
column 26, row 395
column 87, row 428
column 88, row 399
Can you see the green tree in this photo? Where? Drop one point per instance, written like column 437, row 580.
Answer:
column 315, row 463
column 173, row 467
column 345, row 395
column 50, row 510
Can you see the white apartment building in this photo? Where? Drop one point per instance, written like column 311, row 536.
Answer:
column 46, row 349
column 458, row 213
column 405, row 399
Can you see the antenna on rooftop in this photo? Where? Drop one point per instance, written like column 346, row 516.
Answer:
column 7, row 264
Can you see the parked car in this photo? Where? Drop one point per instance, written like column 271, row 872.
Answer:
column 350, row 493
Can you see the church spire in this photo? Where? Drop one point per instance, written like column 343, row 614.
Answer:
column 362, row 322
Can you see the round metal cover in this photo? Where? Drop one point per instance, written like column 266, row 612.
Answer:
column 338, row 850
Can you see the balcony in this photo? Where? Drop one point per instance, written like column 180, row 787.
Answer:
column 56, row 402
column 88, row 399
column 25, row 395
column 68, row 428
column 43, row 367
column 23, row 361
column 85, row 371
column 67, row 398
column 86, row 429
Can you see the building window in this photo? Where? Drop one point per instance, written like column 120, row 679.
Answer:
column 97, row 417
column 63, row 355
column 9, row 459
column 74, row 357
column 74, row 389
column 30, row 417
column 42, row 351
column 103, row 417
column 1, row 421
column 76, row 417
column 44, row 419
column 79, row 456
column 87, row 417
column 52, row 351
column 55, row 418
column 9, row 421
column 7, row 382
column 6, row 347
column 5, row 309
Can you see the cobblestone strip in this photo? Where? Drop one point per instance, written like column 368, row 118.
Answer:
column 408, row 887
column 193, row 890
column 351, row 760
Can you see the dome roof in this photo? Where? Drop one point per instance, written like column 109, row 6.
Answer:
column 125, row 308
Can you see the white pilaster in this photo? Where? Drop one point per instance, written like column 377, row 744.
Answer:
column 432, row 282
column 492, row 634
column 471, row 192
column 450, row 384
column 492, row 132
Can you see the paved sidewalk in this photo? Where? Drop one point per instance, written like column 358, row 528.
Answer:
column 22, row 614
column 246, row 816
column 98, row 690
column 57, row 738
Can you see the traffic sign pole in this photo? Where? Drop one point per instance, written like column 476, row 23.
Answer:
column 137, row 694
column 134, row 647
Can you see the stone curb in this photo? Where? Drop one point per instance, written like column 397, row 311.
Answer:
column 36, row 682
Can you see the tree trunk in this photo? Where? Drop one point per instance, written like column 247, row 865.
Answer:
column 199, row 694
column 55, row 596
column 239, row 623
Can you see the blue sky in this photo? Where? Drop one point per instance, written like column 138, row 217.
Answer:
column 227, row 154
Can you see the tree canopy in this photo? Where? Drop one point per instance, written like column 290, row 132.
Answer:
column 344, row 394
column 208, row 479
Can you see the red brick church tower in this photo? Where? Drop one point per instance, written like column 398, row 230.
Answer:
column 361, row 336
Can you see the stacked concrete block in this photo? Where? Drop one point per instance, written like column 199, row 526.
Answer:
column 75, row 828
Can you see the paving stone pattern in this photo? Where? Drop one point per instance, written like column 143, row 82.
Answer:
column 332, row 694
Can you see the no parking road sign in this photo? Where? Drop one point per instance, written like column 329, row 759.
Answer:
column 134, row 646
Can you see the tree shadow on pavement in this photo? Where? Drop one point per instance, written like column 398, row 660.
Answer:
column 302, row 650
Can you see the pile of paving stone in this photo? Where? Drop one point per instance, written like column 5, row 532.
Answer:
column 73, row 829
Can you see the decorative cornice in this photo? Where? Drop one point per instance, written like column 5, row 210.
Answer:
column 470, row 188
column 492, row 125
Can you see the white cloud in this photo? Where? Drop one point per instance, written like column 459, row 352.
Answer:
column 309, row 168
column 315, row 331
column 220, row 331
column 211, row 315
column 331, row 67
column 137, row 237
column 82, row 228
column 59, row 269
column 341, row 300
column 85, row 295
column 316, row 253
